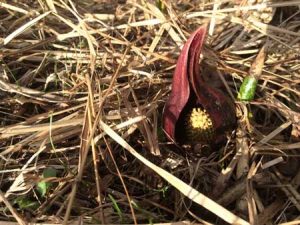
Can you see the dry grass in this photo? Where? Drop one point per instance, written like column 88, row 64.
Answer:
column 82, row 87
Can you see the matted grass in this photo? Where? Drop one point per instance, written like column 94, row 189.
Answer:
column 82, row 88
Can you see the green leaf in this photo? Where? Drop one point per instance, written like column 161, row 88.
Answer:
column 116, row 207
column 25, row 203
column 43, row 187
column 247, row 89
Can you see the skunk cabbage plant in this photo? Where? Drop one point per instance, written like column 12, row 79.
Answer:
column 196, row 112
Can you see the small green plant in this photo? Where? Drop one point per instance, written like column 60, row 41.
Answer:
column 143, row 211
column 247, row 89
column 116, row 207
column 43, row 186
column 25, row 203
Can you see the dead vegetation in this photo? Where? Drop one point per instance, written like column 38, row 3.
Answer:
column 82, row 88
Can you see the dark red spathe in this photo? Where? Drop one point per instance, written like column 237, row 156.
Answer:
column 190, row 90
